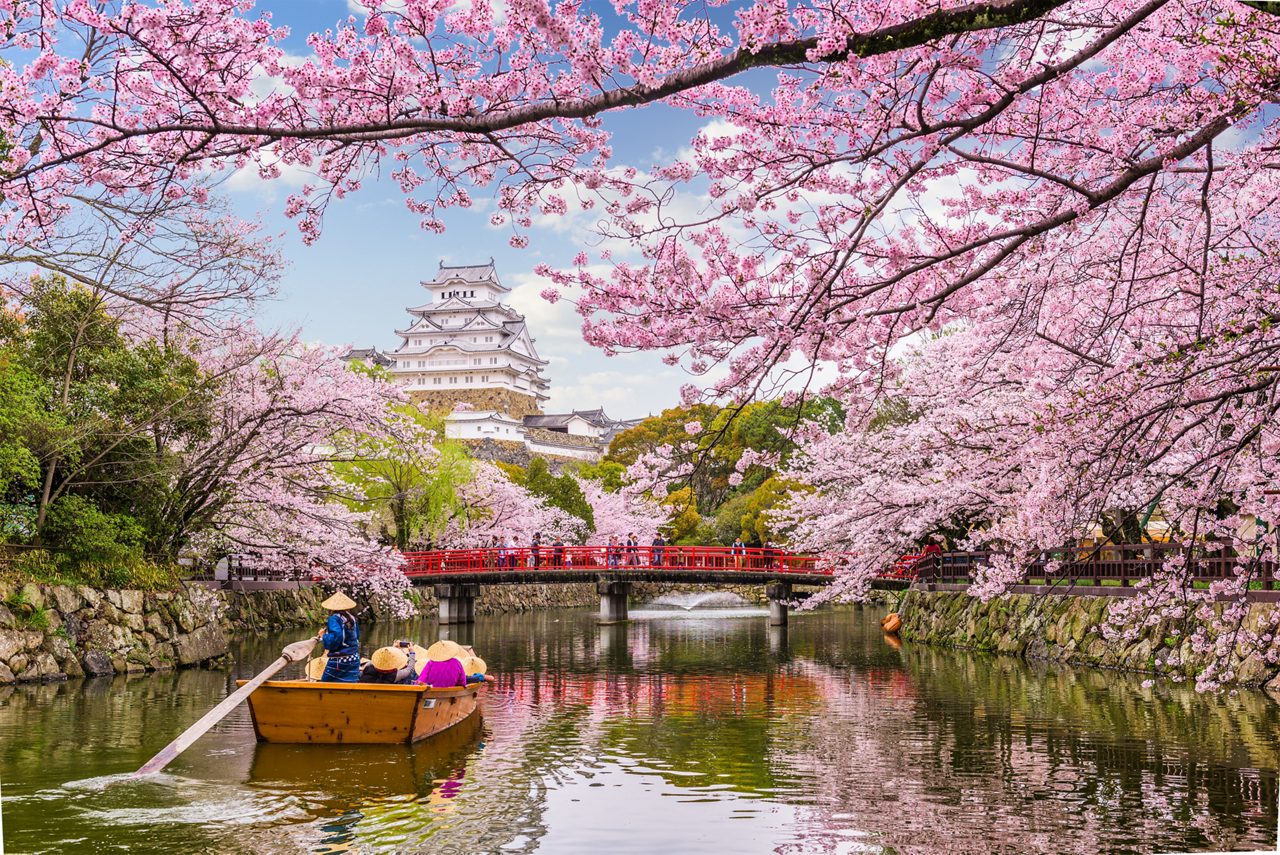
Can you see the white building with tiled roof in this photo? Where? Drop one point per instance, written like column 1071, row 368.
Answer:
column 466, row 340
column 466, row 353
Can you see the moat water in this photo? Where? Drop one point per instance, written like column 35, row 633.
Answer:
column 695, row 731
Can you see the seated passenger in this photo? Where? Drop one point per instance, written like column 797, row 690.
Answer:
column 475, row 669
column 392, row 665
column 444, row 666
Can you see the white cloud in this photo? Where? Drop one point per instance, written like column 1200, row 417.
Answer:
column 358, row 7
column 247, row 180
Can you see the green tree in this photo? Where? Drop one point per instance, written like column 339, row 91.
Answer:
column 99, row 416
column 610, row 474
column 684, row 522
column 762, row 426
column 412, row 480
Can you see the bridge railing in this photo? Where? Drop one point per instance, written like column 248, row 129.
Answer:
column 445, row 562
column 1120, row 565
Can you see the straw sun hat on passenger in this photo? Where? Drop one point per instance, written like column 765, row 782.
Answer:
column 389, row 659
column 474, row 665
column 339, row 602
column 444, row 650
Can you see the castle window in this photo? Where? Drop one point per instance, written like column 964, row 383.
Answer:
column 488, row 339
column 417, row 342
column 484, row 378
column 436, row 381
column 475, row 362
column 453, row 380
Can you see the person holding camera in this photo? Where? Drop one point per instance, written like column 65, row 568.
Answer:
column 393, row 665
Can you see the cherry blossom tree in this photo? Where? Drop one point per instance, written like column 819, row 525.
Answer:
column 495, row 506
column 621, row 513
column 262, row 485
column 1019, row 460
column 1086, row 189
column 182, row 256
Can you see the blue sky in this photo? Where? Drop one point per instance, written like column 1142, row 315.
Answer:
column 352, row 285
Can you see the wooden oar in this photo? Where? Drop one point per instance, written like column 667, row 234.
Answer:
column 292, row 653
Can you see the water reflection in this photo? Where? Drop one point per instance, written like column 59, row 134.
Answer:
column 701, row 733
column 362, row 793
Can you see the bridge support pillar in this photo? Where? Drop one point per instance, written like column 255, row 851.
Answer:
column 778, row 594
column 457, row 603
column 613, row 601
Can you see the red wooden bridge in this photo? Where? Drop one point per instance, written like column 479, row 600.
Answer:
column 1114, row 565
column 702, row 564
column 458, row 573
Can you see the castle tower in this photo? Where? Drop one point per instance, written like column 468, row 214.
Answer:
column 466, row 345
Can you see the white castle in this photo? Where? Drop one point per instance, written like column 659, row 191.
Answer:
column 467, row 353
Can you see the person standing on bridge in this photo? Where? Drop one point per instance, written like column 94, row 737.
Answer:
column 930, row 557
column 557, row 553
column 535, row 550
column 738, row 551
column 613, row 553
column 633, row 550
column 655, row 554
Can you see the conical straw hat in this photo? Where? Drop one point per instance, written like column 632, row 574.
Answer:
column 419, row 655
column 389, row 659
column 474, row 665
column 339, row 602
column 315, row 668
column 444, row 650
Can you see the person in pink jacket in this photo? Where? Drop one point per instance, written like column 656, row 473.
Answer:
column 444, row 667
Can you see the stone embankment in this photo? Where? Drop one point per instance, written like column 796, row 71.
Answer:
column 50, row 633
column 1063, row 629
column 56, row 632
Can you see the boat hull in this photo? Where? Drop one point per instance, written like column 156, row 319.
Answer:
column 298, row 711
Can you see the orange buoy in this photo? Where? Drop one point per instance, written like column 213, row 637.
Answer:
column 891, row 623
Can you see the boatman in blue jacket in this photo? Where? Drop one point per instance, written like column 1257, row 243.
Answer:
column 341, row 640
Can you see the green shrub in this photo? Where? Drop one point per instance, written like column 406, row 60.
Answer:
column 80, row 531
column 47, row 568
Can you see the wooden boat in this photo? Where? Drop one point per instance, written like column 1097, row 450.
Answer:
column 356, row 713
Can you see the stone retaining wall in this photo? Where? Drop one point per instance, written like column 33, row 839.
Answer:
column 514, row 453
column 51, row 633
column 55, row 632
column 1061, row 629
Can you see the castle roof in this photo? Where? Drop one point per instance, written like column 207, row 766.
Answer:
column 596, row 417
column 372, row 354
column 467, row 273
